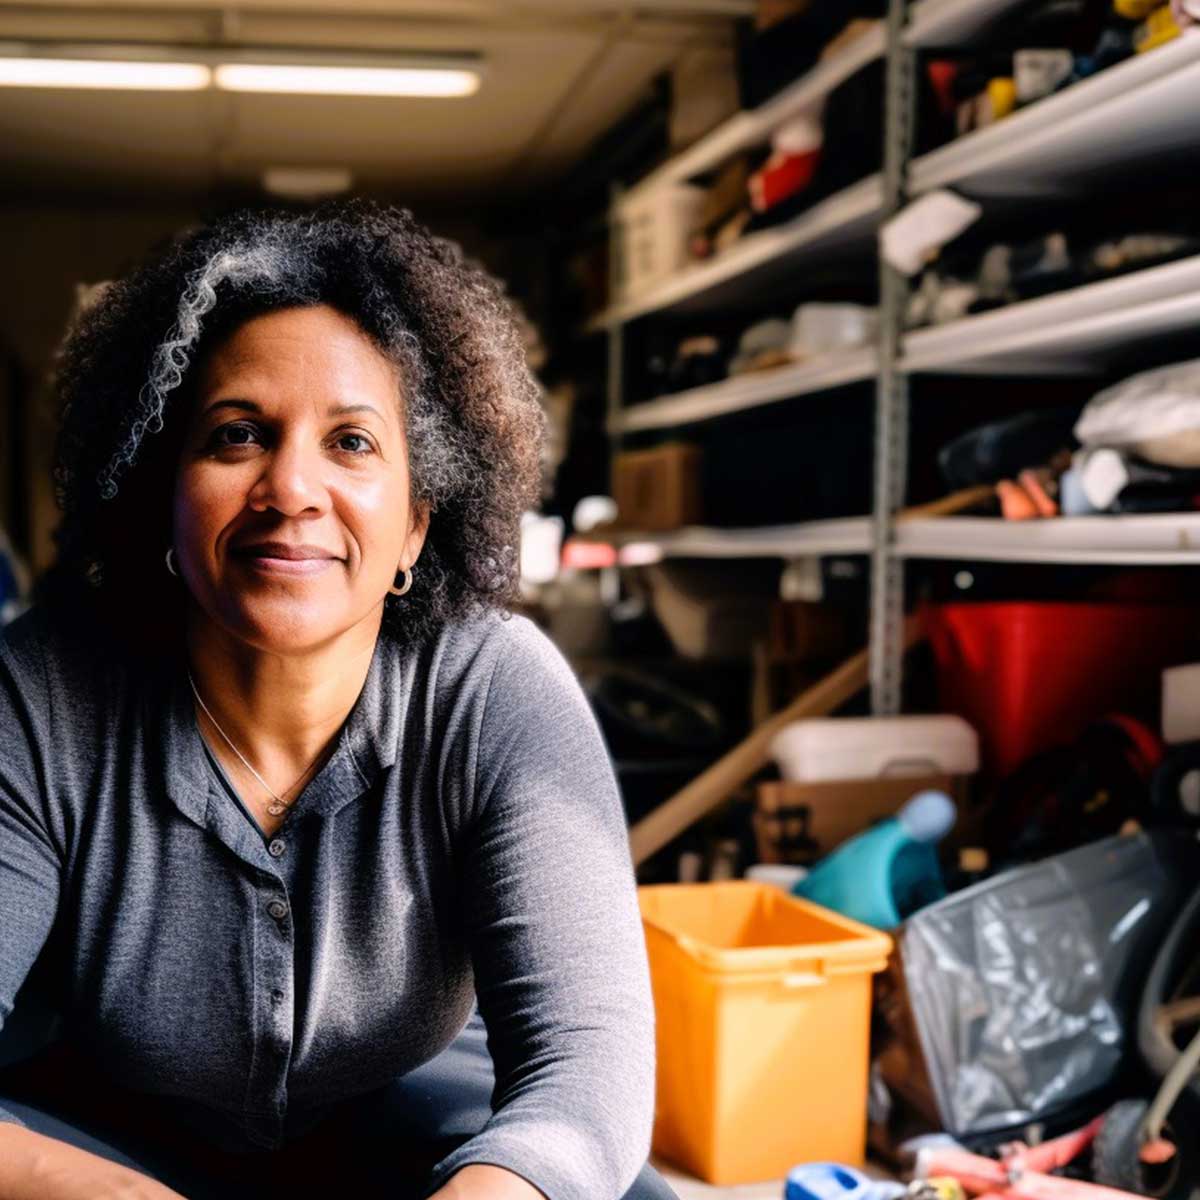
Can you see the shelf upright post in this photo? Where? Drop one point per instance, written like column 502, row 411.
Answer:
column 616, row 329
column 891, row 396
column 610, row 580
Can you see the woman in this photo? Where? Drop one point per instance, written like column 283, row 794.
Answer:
column 284, row 792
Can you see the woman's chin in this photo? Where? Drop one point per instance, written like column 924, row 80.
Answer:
column 286, row 625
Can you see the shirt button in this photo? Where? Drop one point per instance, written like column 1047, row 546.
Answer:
column 277, row 847
column 276, row 995
column 277, row 909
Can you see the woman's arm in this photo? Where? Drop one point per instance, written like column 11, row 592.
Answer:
column 549, row 905
column 36, row 1167
column 32, row 1165
column 481, row 1181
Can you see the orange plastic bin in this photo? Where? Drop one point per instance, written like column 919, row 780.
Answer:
column 763, row 1009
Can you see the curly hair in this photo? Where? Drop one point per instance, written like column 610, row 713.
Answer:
column 125, row 371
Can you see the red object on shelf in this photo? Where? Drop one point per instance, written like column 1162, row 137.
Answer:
column 1030, row 676
column 581, row 555
column 781, row 177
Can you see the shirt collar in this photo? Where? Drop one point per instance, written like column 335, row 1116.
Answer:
column 366, row 744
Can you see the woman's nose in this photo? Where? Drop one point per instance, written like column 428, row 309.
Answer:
column 291, row 480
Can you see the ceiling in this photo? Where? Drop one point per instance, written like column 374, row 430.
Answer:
column 556, row 74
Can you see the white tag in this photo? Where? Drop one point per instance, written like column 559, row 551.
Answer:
column 913, row 237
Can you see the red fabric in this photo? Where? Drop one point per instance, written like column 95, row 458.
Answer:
column 1029, row 676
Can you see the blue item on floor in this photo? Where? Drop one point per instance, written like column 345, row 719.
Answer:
column 825, row 1181
column 832, row 1181
column 890, row 871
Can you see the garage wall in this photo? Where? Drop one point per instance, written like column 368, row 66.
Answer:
column 47, row 251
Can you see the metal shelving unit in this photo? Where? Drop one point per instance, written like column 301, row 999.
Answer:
column 1160, row 540
column 1133, row 113
column 840, row 226
column 748, row 391
column 1169, row 539
column 1136, row 112
column 1073, row 332
column 808, row 539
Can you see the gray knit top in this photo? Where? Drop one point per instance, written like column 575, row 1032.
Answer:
column 465, row 839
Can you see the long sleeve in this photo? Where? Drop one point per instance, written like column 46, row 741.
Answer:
column 550, row 906
column 30, row 863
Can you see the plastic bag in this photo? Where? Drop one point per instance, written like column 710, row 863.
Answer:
column 1021, row 985
column 1155, row 413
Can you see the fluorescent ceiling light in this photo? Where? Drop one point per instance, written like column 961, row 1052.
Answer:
column 346, row 81
column 238, row 69
column 104, row 73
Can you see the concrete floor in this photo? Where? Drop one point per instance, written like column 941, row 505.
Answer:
column 687, row 1188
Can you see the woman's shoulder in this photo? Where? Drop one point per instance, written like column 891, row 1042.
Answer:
column 45, row 654
column 493, row 648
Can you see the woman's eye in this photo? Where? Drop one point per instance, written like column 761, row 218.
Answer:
column 355, row 443
column 236, row 433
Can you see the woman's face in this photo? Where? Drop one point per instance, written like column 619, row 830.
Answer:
column 292, row 513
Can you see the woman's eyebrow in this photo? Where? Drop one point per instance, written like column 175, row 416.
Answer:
column 337, row 410
column 246, row 405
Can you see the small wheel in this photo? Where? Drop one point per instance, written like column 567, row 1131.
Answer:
column 1116, row 1162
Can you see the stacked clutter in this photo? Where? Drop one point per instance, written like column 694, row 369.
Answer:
column 1023, row 456
column 665, row 226
column 767, row 987
column 790, row 37
column 1017, row 993
column 1140, row 446
column 813, row 332
column 836, row 810
column 1055, row 976
column 1050, row 46
column 1134, row 448
column 745, row 196
column 1006, row 273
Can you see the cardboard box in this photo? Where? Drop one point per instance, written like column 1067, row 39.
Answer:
column 803, row 822
column 659, row 489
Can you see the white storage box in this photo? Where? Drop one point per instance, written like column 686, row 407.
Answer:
column 853, row 748
column 654, row 231
column 827, row 328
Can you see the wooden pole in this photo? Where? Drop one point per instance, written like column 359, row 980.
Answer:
column 947, row 506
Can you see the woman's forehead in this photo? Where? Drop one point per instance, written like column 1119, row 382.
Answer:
column 314, row 348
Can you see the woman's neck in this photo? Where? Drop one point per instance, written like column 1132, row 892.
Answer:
column 280, row 710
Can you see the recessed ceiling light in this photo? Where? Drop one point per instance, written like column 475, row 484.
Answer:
column 307, row 183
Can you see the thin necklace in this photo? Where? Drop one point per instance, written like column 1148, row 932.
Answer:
column 279, row 805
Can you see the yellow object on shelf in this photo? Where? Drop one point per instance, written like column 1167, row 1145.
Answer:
column 1135, row 10
column 763, row 1010
column 1156, row 30
column 1001, row 97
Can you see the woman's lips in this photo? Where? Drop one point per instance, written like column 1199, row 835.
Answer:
column 287, row 566
column 273, row 558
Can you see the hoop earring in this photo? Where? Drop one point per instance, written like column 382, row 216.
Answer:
column 408, row 578
column 171, row 560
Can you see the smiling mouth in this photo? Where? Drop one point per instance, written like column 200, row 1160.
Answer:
column 279, row 558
